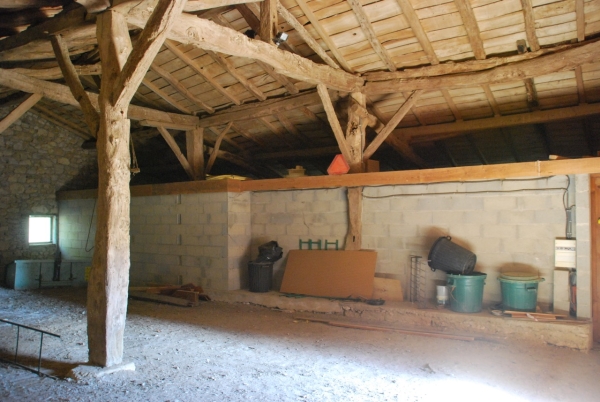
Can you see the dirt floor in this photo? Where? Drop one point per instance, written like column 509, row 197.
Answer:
column 241, row 352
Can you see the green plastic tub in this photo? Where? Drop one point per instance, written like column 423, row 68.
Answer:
column 466, row 292
column 519, row 291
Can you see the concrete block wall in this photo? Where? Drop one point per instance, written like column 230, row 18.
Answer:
column 239, row 237
column 290, row 216
column 178, row 239
column 77, row 228
column 508, row 224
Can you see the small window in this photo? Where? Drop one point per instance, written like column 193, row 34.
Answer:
column 41, row 229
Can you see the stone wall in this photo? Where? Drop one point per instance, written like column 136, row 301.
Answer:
column 37, row 158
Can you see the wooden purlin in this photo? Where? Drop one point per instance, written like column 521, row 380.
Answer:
column 172, row 46
column 466, row 13
column 415, row 24
column 168, row 98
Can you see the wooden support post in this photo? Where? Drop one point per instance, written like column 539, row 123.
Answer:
column 123, row 68
column 268, row 20
column 109, row 277
column 354, row 235
column 175, row 148
column 355, row 132
column 195, row 151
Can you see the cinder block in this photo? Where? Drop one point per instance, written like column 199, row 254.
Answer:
column 258, row 229
column 403, row 203
column 448, row 218
column 297, row 229
column 389, row 217
column 338, row 206
column 377, row 205
column 482, row 217
column 304, row 196
column 547, row 216
column 467, row 203
column 261, row 197
column 297, row 206
column 499, row 231
column 330, row 195
column 375, row 230
column 502, row 202
column 403, row 230
column 418, row 218
column 335, row 218
column 319, row 230
column 434, row 203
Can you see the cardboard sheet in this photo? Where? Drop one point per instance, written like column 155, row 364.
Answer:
column 330, row 273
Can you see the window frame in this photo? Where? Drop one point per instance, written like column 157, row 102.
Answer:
column 53, row 229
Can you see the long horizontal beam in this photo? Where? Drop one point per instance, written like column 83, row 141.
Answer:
column 441, row 131
column 550, row 63
column 205, row 34
column 457, row 174
column 261, row 109
column 61, row 93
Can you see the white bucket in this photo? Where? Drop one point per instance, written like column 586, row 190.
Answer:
column 442, row 295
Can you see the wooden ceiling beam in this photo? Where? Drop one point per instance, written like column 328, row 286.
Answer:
column 532, row 38
column 491, row 100
column 261, row 109
column 469, row 66
column 54, row 73
column 19, row 111
column 268, row 69
column 565, row 60
column 194, row 145
column 145, row 49
column 298, row 153
column 68, row 70
column 177, row 151
column 334, row 122
column 179, row 87
column 199, row 5
column 439, row 131
column 470, row 22
column 213, row 154
column 415, row 24
column 314, row 21
column 230, row 68
column 580, row 85
column 391, row 124
column 61, row 93
column 370, row 34
column 278, row 132
column 226, row 138
column 61, row 121
column 291, row 128
column 305, row 35
column 172, row 46
column 400, row 145
column 452, row 105
column 168, row 98
column 249, row 11
column 66, row 20
column 580, row 19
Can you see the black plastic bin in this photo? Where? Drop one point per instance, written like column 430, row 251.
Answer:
column 260, row 276
column 450, row 257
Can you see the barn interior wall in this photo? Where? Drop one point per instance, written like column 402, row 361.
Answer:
column 208, row 238
column 38, row 158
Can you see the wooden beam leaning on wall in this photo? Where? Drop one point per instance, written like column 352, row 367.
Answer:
column 19, row 111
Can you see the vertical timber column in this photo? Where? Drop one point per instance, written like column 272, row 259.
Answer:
column 109, row 278
column 195, row 151
column 268, row 20
column 355, row 138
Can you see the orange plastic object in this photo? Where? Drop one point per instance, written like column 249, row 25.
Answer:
column 338, row 166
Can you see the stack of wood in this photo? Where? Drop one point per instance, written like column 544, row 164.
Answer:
column 185, row 295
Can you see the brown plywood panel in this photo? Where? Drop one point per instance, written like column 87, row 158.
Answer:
column 330, row 273
column 387, row 289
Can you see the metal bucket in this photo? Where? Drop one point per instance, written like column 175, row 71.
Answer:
column 450, row 257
